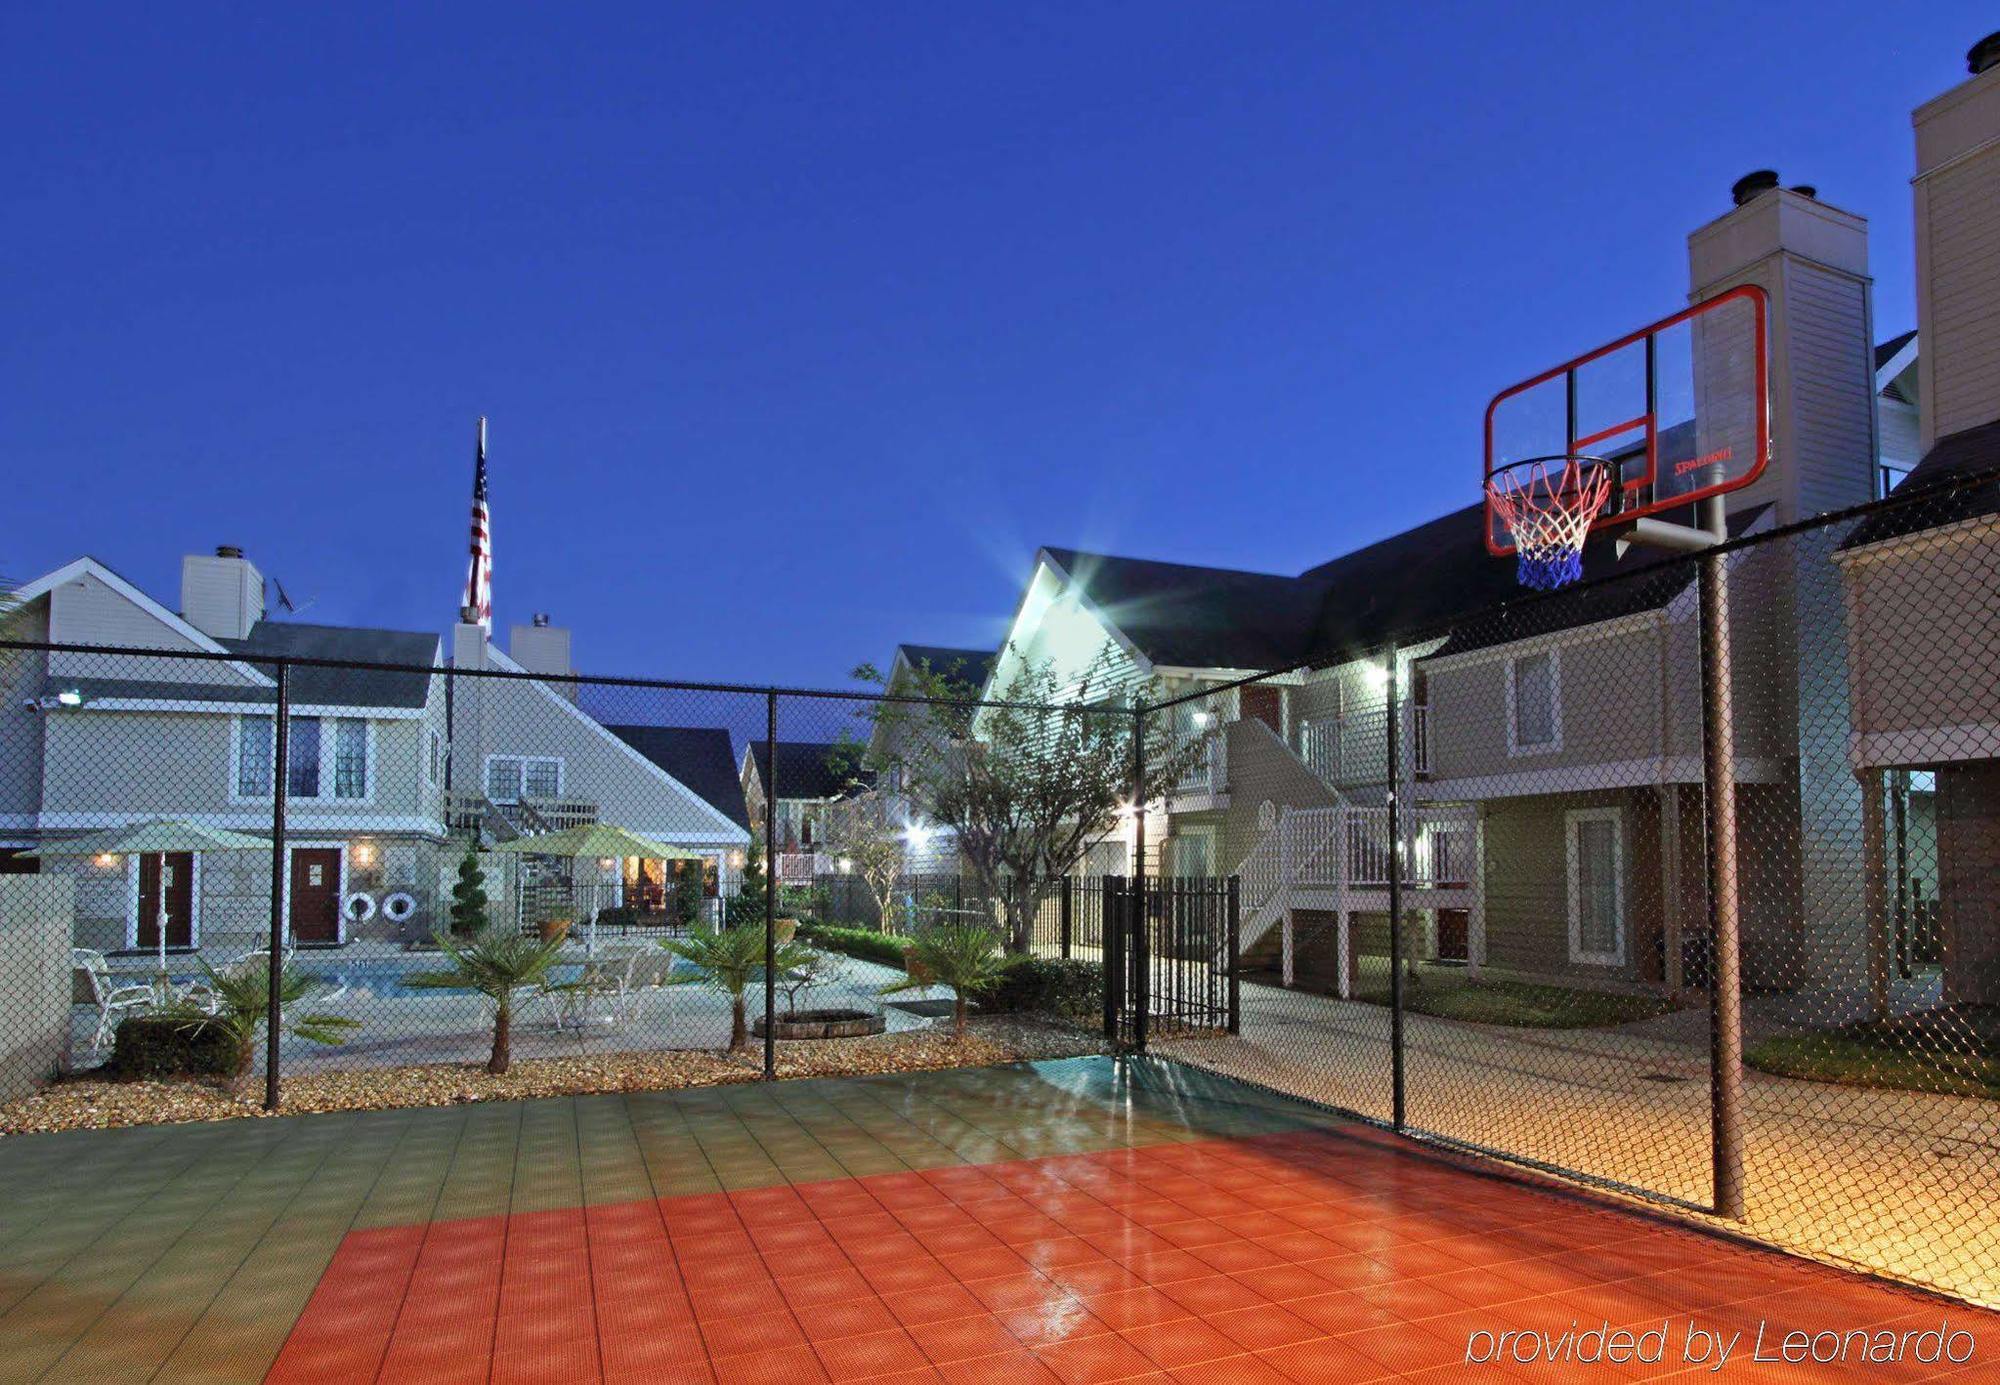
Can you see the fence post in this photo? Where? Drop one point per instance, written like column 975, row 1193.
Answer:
column 1142, row 999
column 1234, row 923
column 771, row 887
column 1068, row 912
column 1392, row 706
column 1725, row 971
column 1110, row 923
column 281, row 746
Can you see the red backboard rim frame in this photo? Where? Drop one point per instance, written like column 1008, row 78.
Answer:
column 1760, row 302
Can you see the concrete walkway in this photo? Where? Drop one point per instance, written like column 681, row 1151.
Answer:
column 1898, row 1182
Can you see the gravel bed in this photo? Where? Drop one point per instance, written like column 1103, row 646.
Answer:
column 88, row 1103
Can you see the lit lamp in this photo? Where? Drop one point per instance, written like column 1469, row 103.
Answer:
column 364, row 854
column 104, row 861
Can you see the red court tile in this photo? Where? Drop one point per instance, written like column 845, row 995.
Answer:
column 1305, row 1257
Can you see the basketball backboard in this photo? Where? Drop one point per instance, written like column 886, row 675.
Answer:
column 1678, row 408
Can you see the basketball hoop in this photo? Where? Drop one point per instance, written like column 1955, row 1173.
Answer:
column 1547, row 509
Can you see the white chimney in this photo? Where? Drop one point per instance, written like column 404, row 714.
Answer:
column 222, row 595
column 1957, row 190
column 542, row 648
column 1812, row 259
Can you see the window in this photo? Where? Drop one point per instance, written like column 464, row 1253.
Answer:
column 543, row 778
column 302, row 759
column 436, row 759
column 253, row 757
column 1534, row 703
column 1596, row 851
column 303, row 778
column 350, row 758
column 1191, row 853
column 510, row 778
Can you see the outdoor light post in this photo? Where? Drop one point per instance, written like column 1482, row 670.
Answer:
column 1392, row 711
column 771, row 887
column 281, row 744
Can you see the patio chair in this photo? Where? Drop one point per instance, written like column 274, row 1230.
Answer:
column 258, row 956
column 114, row 999
column 606, row 981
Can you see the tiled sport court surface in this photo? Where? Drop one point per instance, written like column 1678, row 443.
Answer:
column 1073, row 1221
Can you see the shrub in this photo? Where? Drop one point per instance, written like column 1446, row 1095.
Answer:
column 468, row 895
column 617, row 916
column 1049, row 986
column 864, row 943
column 153, row 1046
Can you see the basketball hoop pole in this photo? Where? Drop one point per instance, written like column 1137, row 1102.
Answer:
column 1719, row 795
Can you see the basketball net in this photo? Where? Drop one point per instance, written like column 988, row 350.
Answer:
column 1548, row 513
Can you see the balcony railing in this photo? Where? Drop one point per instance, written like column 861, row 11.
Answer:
column 1353, row 750
column 524, row 817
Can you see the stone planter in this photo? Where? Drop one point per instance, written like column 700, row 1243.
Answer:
column 825, row 1024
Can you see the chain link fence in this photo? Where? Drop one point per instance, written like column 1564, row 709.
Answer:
column 1472, row 882
column 1483, row 900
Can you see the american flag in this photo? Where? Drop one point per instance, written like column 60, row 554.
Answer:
column 478, row 601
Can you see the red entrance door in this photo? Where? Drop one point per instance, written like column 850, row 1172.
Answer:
column 1454, row 935
column 178, row 871
column 316, row 894
column 1265, row 703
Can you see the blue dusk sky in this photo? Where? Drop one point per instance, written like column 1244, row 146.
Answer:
column 801, row 327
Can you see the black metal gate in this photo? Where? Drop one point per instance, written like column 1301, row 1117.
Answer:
column 1169, row 955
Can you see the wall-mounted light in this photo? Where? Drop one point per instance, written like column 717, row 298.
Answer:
column 1378, row 676
column 70, row 697
column 1201, row 720
column 104, row 860
column 364, row 854
column 736, row 858
column 843, row 865
column 916, row 834
column 606, row 863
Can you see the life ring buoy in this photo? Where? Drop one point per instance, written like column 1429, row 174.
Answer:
column 359, row 907
column 399, row 907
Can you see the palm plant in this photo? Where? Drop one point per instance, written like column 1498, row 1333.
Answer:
column 241, row 1001
column 729, row 960
column 497, row 961
column 964, row 956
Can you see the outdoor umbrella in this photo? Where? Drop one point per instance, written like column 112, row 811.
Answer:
column 160, row 837
column 599, row 840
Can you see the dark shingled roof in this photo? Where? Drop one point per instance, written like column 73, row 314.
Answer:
column 1198, row 617
column 1885, row 352
column 805, row 768
column 346, row 686
column 960, row 665
column 310, row 686
column 1643, row 580
column 1945, row 470
column 700, row 757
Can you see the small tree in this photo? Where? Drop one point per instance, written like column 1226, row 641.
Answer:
column 963, row 956
column 468, row 896
column 496, row 962
column 1028, row 781
column 728, row 960
column 747, row 908
column 690, row 888
column 863, row 832
column 243, row 999
column 809, row 969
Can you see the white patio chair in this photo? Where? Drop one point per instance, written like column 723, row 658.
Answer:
column 602, row 992
column 114, row 999
column 256, row 957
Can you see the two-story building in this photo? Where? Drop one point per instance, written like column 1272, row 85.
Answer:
column 392, row 763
